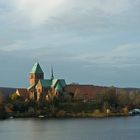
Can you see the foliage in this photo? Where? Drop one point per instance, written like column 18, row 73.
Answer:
column 14, row 97
column 3, row 113
column 54, row 104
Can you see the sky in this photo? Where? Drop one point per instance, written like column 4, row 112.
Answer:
column 86, row 41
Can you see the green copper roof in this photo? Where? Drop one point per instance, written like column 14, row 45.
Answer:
column 36, row 68
column 46, row 83
column 63, row 83
column 56, row 83
column 58, row 87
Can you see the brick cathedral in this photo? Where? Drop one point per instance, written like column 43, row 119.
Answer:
column 39, row 87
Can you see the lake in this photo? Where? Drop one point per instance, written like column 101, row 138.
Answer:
column 121, row 128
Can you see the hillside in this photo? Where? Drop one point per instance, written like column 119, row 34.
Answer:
column 89, row 92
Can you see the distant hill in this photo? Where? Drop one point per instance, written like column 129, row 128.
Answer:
column 130, row 89
column 5, row 92
column 89, row 92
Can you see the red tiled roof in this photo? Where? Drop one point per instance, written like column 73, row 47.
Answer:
column 23, row 92
column 85, row 92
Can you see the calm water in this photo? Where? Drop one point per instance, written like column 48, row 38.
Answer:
column 71, row 129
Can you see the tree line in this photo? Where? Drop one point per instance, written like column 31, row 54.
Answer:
column 113, row 99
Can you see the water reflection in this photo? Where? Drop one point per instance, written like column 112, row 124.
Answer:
column 71, row 129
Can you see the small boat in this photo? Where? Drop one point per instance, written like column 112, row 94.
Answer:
column 11, row 117
column 41, row 116
column 134, row 112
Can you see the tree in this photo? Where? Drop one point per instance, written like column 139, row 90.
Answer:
column 52, row 101
column 122, row 98
column 107, row 99
column 14, row 97
column 3, row 113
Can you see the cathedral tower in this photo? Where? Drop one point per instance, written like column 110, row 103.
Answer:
column 36, row 74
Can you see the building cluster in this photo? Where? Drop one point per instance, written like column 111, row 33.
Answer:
column 39, row 87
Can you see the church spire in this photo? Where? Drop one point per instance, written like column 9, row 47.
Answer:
column 36, row 68
column 52, row 74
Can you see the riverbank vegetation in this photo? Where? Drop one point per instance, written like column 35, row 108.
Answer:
column 107, row 104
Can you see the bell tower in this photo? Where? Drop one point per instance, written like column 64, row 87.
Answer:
column 36, row 74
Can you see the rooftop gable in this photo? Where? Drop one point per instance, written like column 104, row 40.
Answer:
column 45, row 83
column 60, row 81
column 22, row 92
column 54, row 81
column 63, row 82
column 48, row 83
column 36, row 68
column 58, row 87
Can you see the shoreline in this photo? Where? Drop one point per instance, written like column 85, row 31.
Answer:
column 67, row 116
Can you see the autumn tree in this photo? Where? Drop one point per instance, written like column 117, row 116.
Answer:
column 3, row 113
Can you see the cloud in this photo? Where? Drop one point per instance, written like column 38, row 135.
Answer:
column 128, row 47
column 96, row 36
column 125, row 55
column 41, row 11
column 18, row 45
column 108, row 7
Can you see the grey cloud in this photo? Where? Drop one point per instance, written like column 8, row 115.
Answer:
column 80, row 42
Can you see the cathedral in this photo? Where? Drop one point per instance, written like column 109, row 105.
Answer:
column 39, row 87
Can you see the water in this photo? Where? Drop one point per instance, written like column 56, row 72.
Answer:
column 124, row 128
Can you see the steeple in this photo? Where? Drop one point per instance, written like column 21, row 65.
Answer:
column 36, row 68
column 52, row 74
